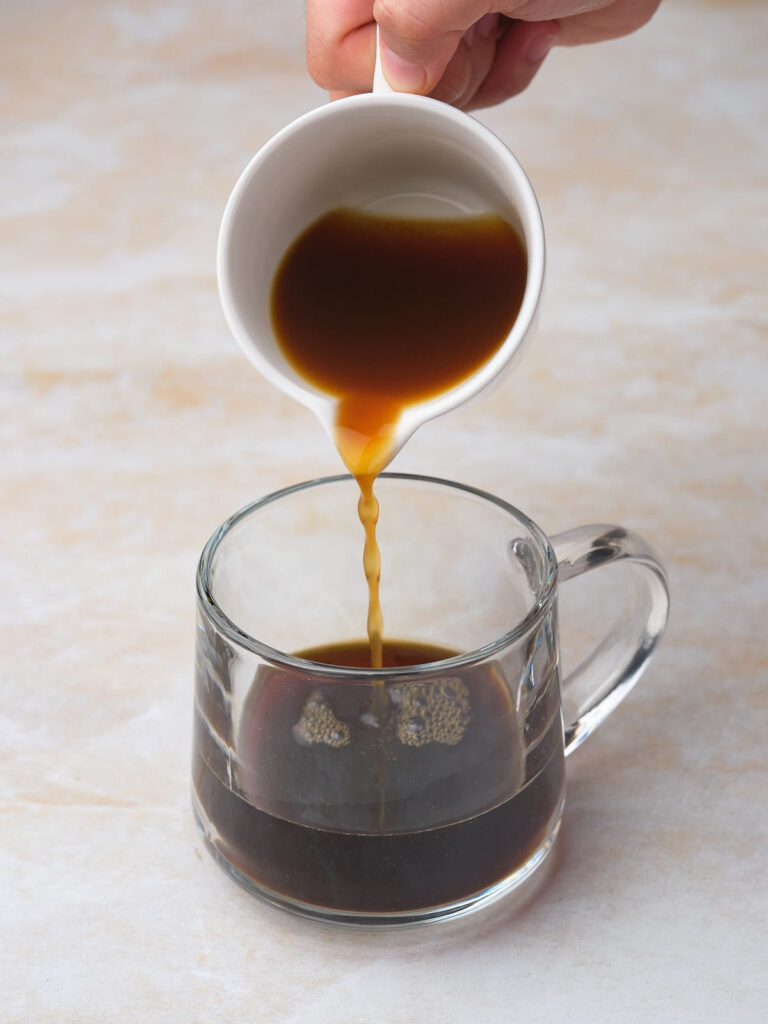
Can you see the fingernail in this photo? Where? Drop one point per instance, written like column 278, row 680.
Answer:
column 403, row 75
column 487, row 25
column 540, row 45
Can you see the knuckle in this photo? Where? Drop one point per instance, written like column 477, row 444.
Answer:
column 317, row 66
column 322, row 61
column 411, row 20
column 646, row 10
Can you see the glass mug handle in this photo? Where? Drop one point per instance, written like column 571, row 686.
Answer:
column 605, row 677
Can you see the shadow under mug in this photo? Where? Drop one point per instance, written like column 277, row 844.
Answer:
column 409, row 794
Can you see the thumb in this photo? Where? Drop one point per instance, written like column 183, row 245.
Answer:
column 419, row 38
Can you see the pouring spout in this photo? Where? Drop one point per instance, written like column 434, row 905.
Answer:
column 367, row 431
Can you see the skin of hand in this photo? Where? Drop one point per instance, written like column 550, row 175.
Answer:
column 471, row 53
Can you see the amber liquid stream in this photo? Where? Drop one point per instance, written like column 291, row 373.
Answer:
column 386, row 312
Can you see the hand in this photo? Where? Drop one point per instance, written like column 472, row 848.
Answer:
column 455, row 50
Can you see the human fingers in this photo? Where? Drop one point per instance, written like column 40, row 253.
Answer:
column 523, row 45
column 421, row 37
column 617, row 19
column 449, row 40
column 341, row 45
column 496, row 58
column 520, row 50
column 470, row 64
column 341, row 50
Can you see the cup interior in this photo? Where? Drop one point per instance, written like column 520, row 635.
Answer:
column 399, row 155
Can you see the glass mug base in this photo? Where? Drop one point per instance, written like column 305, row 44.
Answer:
column 520, row 881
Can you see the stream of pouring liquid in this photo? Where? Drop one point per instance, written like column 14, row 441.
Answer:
column 364, row 435
column 385, row 312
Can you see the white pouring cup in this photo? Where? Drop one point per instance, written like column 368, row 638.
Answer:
column 392, row 153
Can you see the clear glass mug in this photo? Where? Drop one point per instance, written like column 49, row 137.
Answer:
column 404, row 794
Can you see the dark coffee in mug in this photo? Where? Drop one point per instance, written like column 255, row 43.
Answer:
column 383, row 798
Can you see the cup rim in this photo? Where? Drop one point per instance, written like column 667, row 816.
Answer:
column 229, row 629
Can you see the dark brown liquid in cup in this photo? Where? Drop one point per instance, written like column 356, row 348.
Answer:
column 384, row 312
column 364, row 790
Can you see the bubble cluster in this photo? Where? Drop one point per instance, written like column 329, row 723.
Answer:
column 318, row 724
column 433, row 712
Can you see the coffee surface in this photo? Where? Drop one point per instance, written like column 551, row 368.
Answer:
column 384, row 312
column 395, row 654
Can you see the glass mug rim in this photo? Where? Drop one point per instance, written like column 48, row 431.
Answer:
column 229, row 629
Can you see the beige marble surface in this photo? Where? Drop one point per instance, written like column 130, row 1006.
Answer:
column 132, row 426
